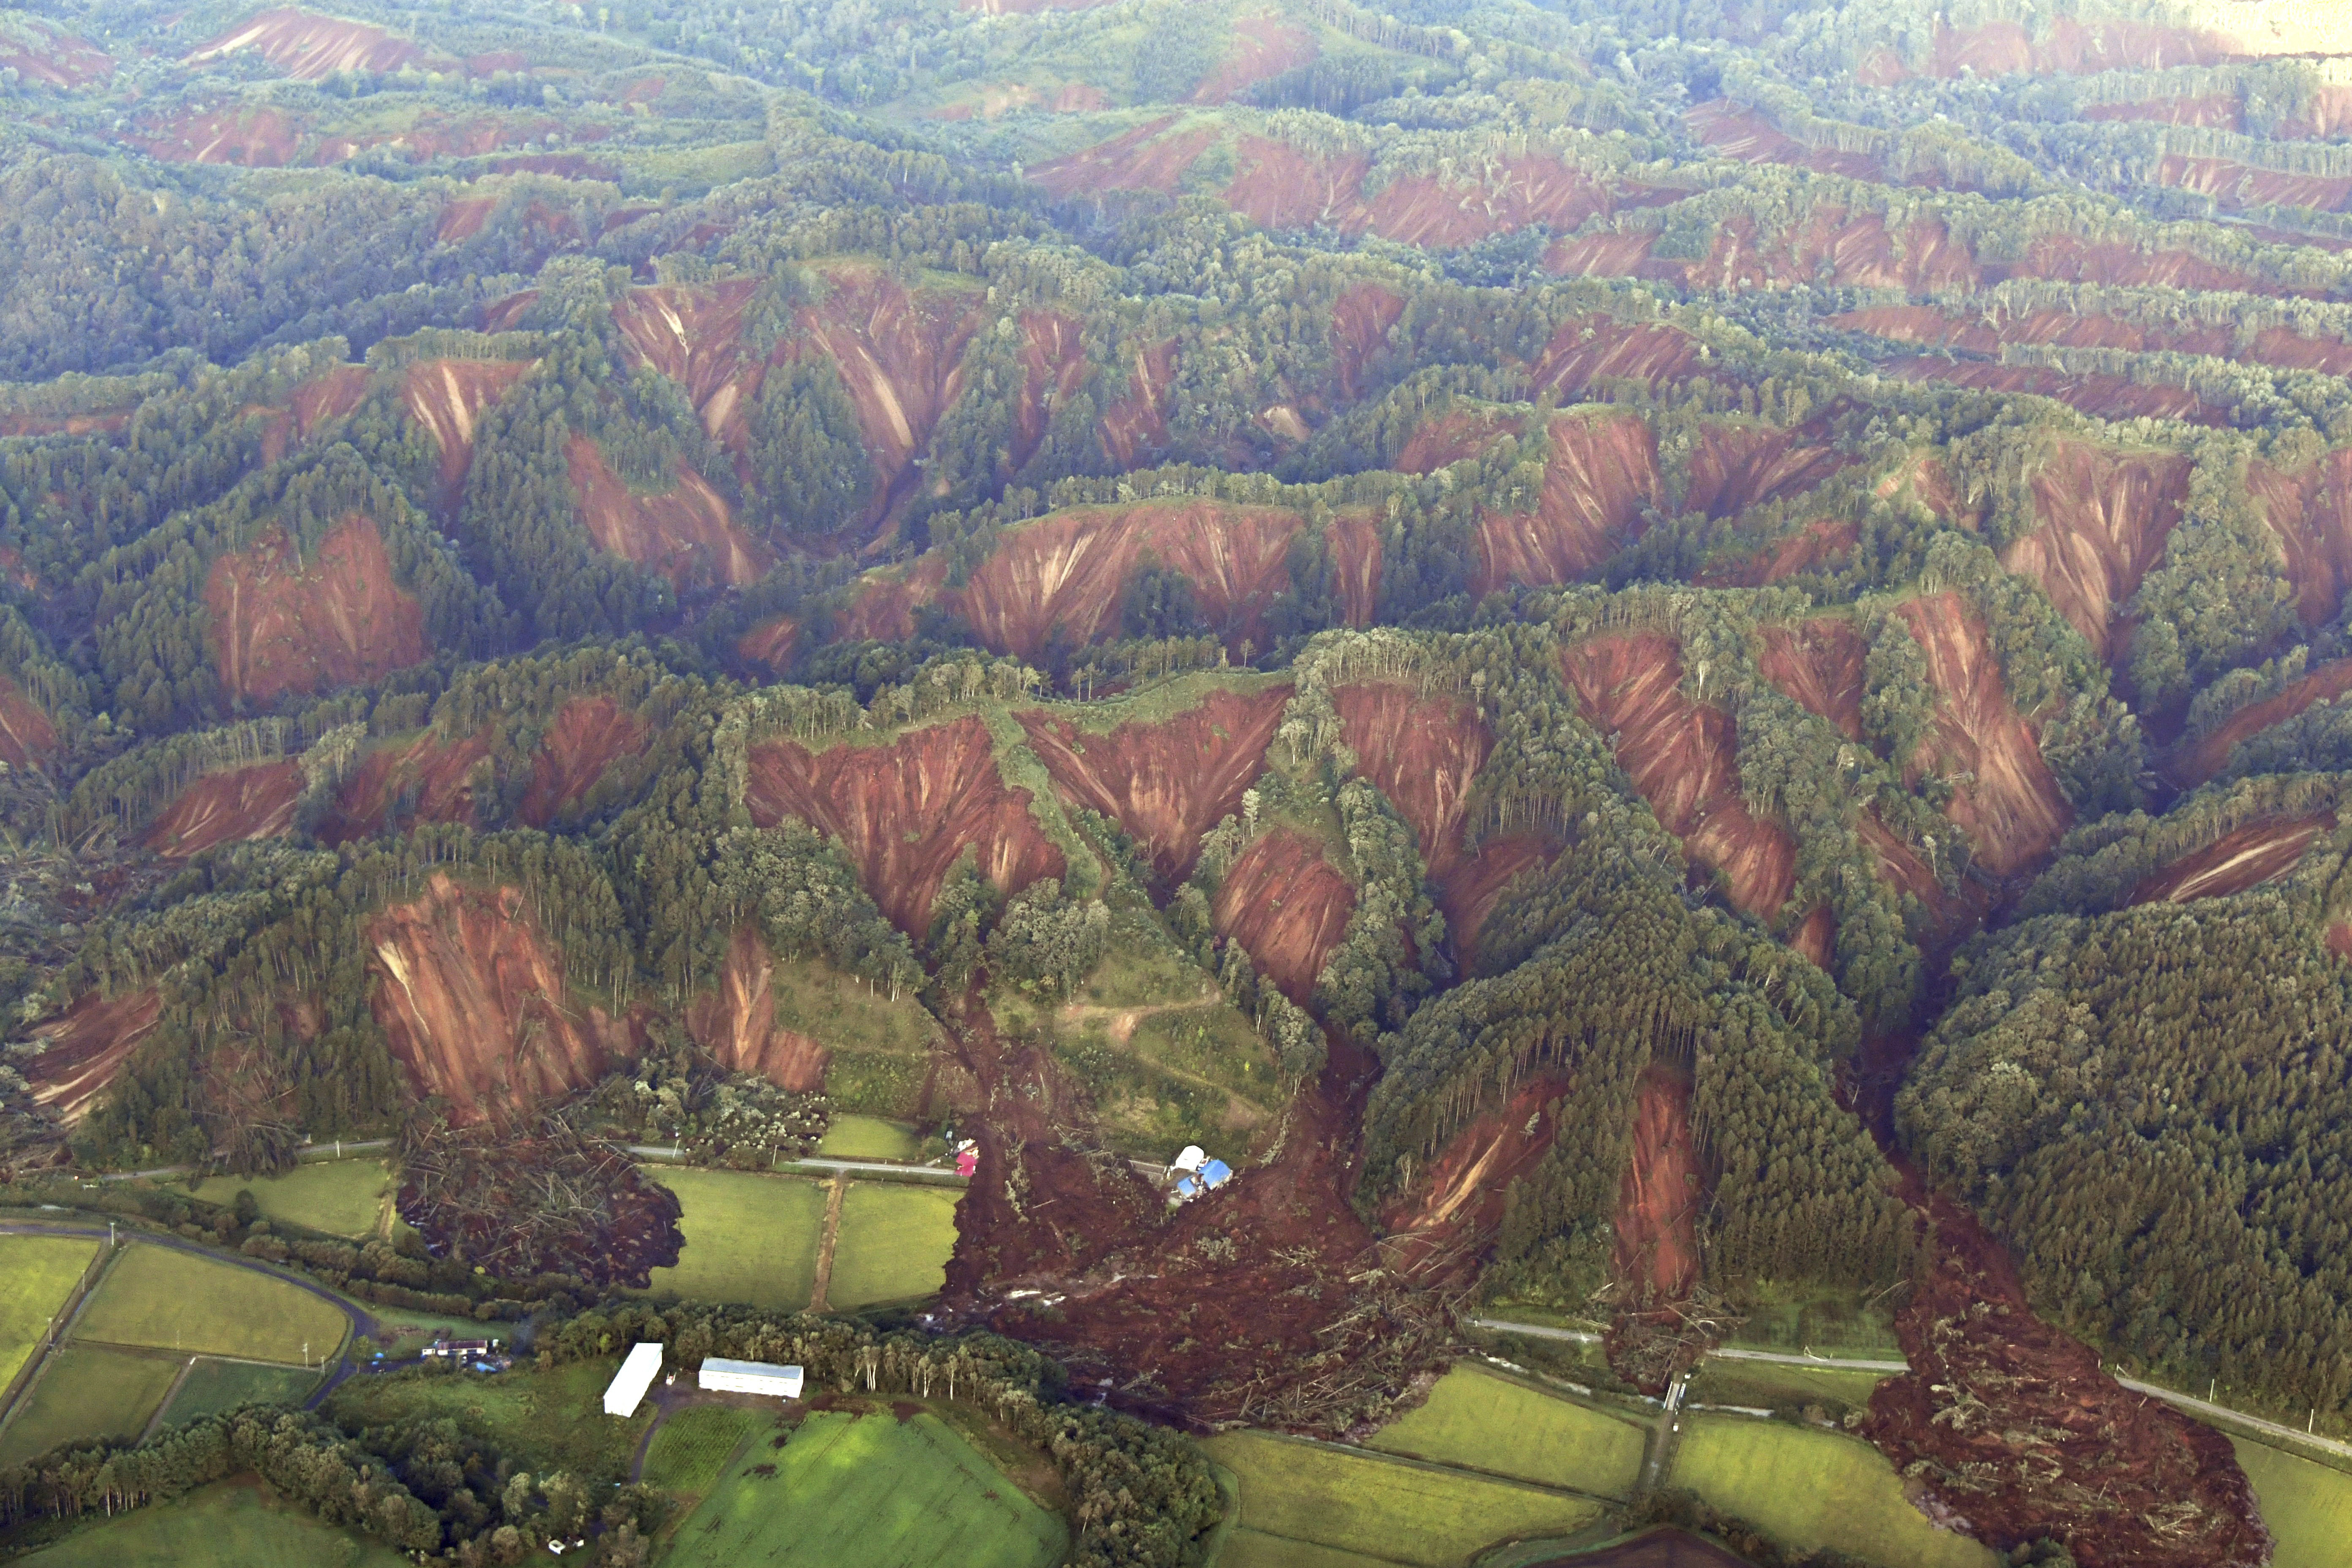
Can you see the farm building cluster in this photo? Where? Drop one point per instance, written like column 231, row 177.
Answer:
column 718, row 1375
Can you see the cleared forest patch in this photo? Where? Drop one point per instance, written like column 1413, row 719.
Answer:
column 282, row 625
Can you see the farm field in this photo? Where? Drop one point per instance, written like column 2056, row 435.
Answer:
column 213, row 1385
column 1483, row 1422
column 1810, row 1490
column 1394, row 1511
column 546, row 1420
column 1770, row 1385
column 868, row 1491
column 88, row 1390
column 36, row 1274
column 192, row 1305
column 340, row 1197
column 749, row 1238
column 894, row 1244
column 2307, row 1506
column 690, row 1451
column 232, row 1525
column 869, row 1138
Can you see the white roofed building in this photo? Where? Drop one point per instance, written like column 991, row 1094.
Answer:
column 629, row 1384
column 725, row 1376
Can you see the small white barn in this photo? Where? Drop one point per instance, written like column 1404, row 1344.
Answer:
column 727, row 1377
column 629, row 1384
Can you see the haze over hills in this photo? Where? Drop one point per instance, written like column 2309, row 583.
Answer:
column 1662, row 662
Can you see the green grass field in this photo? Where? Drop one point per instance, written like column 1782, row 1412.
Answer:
column 36, row 1274
column 213, row 1385
column 894, row 1244
column 749, row 1238
column 690, row 1450
column 233, row 1525
column 1809, row 1489
column 546, row 1420
column 88, row 1390
column 869, row 1138
column 340, row 1197
column 1350, row 1503
column 1483, row 1422
column 193, row 1305
column 2307, row 1506
column 867, row 1491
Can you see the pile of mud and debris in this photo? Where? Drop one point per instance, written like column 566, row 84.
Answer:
column 546, row 1201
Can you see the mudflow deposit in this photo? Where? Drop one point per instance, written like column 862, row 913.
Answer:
column 1676, row 672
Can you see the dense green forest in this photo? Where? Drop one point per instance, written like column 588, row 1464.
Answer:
column 1758, row 584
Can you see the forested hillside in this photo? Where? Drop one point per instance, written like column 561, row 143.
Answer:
column 1684, row 632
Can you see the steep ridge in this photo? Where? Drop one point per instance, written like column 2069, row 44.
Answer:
column 1602, row 470
column 1831, row 243
column 769, row 644
column 589, row 734
column 27, row 737
column 1739, row 466
column 1168, row 782
column 447, row 397
column 84, row 1047
column 426, row 780
column 1593, row 348
column 1818, row 665
column 227, row 808
column 281, row 625
column 2209, row 755
column 1361, row 320
column 2310, row 514
column 2012, row 809
column 1454, row 437
column 1146, row 158
column 1136, row 426
column 1262, row 48
column 472, row 999
column 315, row 402
column 244, row 138
column 1461, row 1198
column 2105, row 516
column 1053, row 367
column 310, row 47
column 737, row 1024
column 684, row 533
column 905, row 810
column 1813, row 544
column 900, row 356
column 2075, row 47
column 1729, row 128
column 38, row 52
column 1424, row 753
column 2097, row 392
column 1659, row 1196
column 1681, row 757
column 693, row 335
column 1287, row 906
column 2244, row 858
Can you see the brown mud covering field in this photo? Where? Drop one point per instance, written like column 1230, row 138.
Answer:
column 549, row 1201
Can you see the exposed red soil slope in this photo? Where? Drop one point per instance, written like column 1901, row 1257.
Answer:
column 905, row 810
column 38, row 52
column 315, row 402
column 84, row 1047
column 1064, row 575
column 26, row 735
column 1137, row 425
column 1053, row 367
column 2013, row 810
column 1659, row 1196
column 1587, row 350
column 2326, row 115
column 1165, row 783
column 686, row 533
column 1852, row 248
column 2245, row 858
column 588, row 736
column 1148, row 158
column 1816, row 543
column 1013, row 7
column 1816, row 936
column 2065, row 258
column 1681, row 756
column 1277, row 185
column 2105, row 518
column 2311, row 513
column 446, row 397
column 1354, row 535
column 2072, row 48
column 769, row 645
column 2220, row 112
column 243, row 138
column 2050, row 1444
column 1262, row 48
column 1288, row 906
column 999, row 99
column 1602, row 471
column 737, row 1024
column 312, row 48
column 1450, row 438
column 2339, row 940
column 1818, row 665
column 281, row 625
column 1459, row 1200
column 1361, row 320
column 227, row 808
column 693, row 335
column 2210, row 754
column 2097, row 392
column 1732, row 130
column 101, row 422
column 1978, row 333
column 472, row 1000
column 900, row 356
column 426, row 780
column 2233, row 184
column 1740, row 465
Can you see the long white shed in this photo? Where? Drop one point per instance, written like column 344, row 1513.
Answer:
column 750, row 1377
column 637, row 1373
